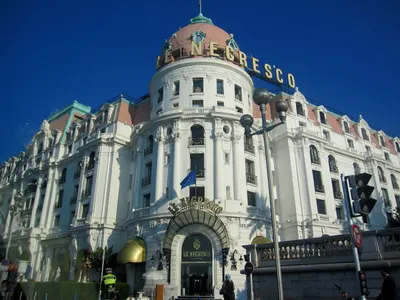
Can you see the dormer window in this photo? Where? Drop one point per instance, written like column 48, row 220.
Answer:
column 322, row 117
column 346, row 127
column 299, row 109
column 105, row 115
column 396, row 144
column 364, row 134
column 382, row 140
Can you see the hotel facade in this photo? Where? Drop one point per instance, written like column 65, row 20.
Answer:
column 111, row 176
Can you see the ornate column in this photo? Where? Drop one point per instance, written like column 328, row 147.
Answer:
column 239, row 167
column 35, row 202
column 50, row 190
column 218, row 165
column 138, row 158
column 159, row 176
column 177, row 165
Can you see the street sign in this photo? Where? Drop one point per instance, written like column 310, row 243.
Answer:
column 5, row 262
column 248, row 268
column 356, row 235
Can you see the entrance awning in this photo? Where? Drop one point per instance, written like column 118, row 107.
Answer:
column 260, row 240
column 134, row 251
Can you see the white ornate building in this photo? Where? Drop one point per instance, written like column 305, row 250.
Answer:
column 112, row 176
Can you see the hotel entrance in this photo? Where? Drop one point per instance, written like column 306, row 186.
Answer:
column 196, row 267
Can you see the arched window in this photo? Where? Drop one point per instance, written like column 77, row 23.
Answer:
column 40, row 148
column 394, row 181
column 91, row 160
column 197, row 137
column 381, row 175
column 357, row 169
column 63, row 175
column 149, row 145
column 77, row 173
column 332, row 164
column 248, row 144
column 314, row 155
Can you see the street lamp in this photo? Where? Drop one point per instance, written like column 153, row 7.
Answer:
column 262, row 97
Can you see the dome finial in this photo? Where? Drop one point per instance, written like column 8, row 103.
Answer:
column 200, row 7
column 200, row 18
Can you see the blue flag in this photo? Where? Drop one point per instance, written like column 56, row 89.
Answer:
column 189, row 179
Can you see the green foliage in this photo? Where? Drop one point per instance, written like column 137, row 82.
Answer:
column 65, row 290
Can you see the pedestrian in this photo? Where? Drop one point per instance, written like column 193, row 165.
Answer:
column 228, row 288
column 388, row 289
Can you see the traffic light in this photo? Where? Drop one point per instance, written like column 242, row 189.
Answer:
column 360, row 194
column 363, row 283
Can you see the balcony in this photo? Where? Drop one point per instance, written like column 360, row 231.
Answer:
column 334, row 169
column 200, row 173
column 196, row 141
column 316, row 160
column 319, row 188
column 146, row 180
column 249, row 148
column 85, row 194
column 251, row 178
column 338, row 194
column 148, row 150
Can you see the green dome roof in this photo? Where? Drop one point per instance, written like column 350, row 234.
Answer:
column 201, row 19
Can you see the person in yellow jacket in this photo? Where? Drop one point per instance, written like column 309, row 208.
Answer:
column 109, row 281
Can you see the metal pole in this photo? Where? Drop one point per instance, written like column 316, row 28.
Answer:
column 251, row 281
column 272, row 203
column 350, row 223
column 102, row 260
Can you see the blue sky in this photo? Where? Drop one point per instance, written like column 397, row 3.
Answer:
column 343, row 53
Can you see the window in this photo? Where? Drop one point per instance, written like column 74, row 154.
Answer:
column 248, row 144
column 75, row 194
column 130, row 181
column 220, row 103
column 176, row 88
column 71, row 217
column 382, row 139
column 197, row 103
column 238, row 93
column 346, row 127
column 321, row 206
column 60, row 199
column 160, row 95
column 299, row 109
column 332, row 164
column 88, row 187
column 381, row 175
column 167, row 159
column 251, row 198
column 85, row 211
column 40, row 148
column 197, row 137
column 228, row 192
column 197, row 163
column 63, row 176
column 387, row 156
column 385, row 197
column 364, row 134
column 167, row 193
column 336, row 189
column 356, row 168
column 339, row 213
column 314, row 156
column 239, row 110
column 318, row 186
column 146, row 200
column 220, row 87
column 149, row 145
column 397, row 147
column 147, row 174
column 198, row 191
column 250, row 172
column 394, row 181
column 368, row 148
column 326, row 135
column 227, row 158
column 175, row 105
column 322, row 117
column 69, row 149
column 56, row 220
column 198, row 85
column 350, row 143
column 91, row 160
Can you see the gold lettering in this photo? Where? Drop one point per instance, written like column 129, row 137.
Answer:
column 196, row 48
column 213, row 48
column 193, row 199
column 268, row 72
column 242, row 59
column 255, row 64
column 229, row 53
column 166, row 56
column 278, row 75
column 291, row 80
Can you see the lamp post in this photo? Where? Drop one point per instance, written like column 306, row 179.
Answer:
column 262, row 97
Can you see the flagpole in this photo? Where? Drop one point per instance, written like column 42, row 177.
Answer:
column 195, row 181
column 200, row 5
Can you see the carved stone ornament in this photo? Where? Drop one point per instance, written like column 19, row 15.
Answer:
column 229, row 81
column 196, row 150
column 197, row 121
column 236, row 138
column 166, row 82
column 219, row 136
column 208, row 77
column 185, row 78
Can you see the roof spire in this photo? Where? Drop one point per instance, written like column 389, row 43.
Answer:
column 200, row 18
column 200, row 6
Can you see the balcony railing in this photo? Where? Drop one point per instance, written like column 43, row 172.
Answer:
column 334, row 169
column 200, row 173
column 146, row 180
column 249, row 148
column 196, row 141
column 395, row 185
column 316, row 160
column 85, row 194
column 148, row 150
column 251, row 178
column 319, row 188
